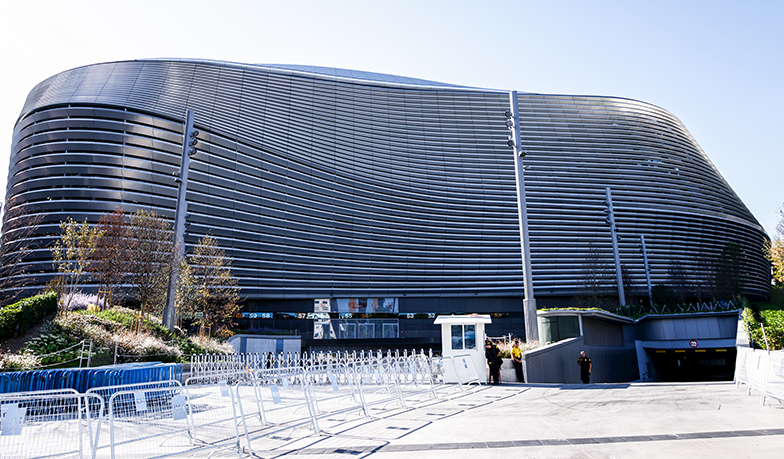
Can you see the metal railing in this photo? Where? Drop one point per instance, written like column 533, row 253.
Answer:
column 225, row 409
column 632, row 310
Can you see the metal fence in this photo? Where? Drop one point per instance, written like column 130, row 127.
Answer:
column 632, row 310
column 49, row 423
column 207, row 364
column 762, row 371
column 223, row 410
column 149, row 422
column 82, row 379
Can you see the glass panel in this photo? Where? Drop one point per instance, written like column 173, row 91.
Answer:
column 457, row 337
column 366, row 331
column 549, row 329
column 470, row 336
column 390, row 330
column 568, row 327
column 348, row 330
column 318, row 330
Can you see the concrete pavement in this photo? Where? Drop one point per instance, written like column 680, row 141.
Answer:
column 651, row 420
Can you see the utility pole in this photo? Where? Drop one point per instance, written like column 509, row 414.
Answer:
column 190, row 139
column 611, row 221
column 529, row 303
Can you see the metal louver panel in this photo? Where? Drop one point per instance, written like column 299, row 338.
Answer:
column 319, row 184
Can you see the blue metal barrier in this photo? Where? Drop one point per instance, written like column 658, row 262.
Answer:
column 82, row 379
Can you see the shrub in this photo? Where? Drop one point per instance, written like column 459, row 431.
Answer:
column 664, row 295
column 80, row 301
column 223, row 334
column 213, row 346
column 506, row 348
column 21, row 316
column 777, row 294
column 21, row 361
column 146, row 347
column 48, row 346
column 773, row 320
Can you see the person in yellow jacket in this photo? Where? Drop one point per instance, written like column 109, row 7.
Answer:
column 517, row 360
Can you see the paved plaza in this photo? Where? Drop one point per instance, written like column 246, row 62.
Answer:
column 650, row 420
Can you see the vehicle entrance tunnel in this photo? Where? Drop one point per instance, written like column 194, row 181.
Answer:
column 682, row 365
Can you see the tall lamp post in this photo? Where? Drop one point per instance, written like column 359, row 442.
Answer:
column 611, row 221
column 529, row 303
column 190, row 139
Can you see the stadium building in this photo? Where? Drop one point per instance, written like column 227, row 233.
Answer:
column 356, row 206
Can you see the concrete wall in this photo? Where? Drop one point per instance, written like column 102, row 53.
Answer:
column 557, row 363
column 265, row 343
column 688, row 327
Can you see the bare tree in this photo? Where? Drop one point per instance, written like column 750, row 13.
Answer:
column 775, row 250
column 596, row 279
column 72, row 255
column 728, row 271
column 110, row 259
column 214, row 295
column 630, row 290
column 150, row 255
column 705, row 276
column 19, row 225
column 679, row 279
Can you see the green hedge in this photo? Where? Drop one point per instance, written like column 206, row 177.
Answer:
column 774, row 328
column 21, row 316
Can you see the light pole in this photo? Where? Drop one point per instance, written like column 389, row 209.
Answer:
column 611, row 221
column 529, row 303
column 190, row 139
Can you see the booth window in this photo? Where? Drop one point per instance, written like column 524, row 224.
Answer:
column 463, row 336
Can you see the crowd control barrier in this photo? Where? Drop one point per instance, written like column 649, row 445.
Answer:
column 215, row 413
column 379, row 385
column 222, row 410
column 273, row 403
column 82, row 379
column 49, row 424
column 207, row 364
column 463, row 369
column 330, row 390
column 415, row 377
column 762, row 371
column 150, row 422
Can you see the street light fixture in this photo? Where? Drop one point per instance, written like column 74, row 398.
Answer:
column 180, row 215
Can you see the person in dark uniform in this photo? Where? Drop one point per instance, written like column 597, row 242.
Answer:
column 493, row 356
column 585, row 367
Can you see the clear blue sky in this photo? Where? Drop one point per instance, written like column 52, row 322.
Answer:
column 716, row 65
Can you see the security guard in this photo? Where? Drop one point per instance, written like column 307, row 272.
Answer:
column 585, row 367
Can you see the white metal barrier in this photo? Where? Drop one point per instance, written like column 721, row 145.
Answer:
column 220, row 408
column 414, row 376
column 205, row 364
column 332, row 389
column 151, row 422
column 49, row 423
column 379, row 384
column 462, row 368
column 762, row 371
column 272, row 403
column 214, row 410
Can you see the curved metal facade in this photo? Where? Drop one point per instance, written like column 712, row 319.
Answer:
column 357, row 184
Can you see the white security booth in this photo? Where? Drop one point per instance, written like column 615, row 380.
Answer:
column 462, row 346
